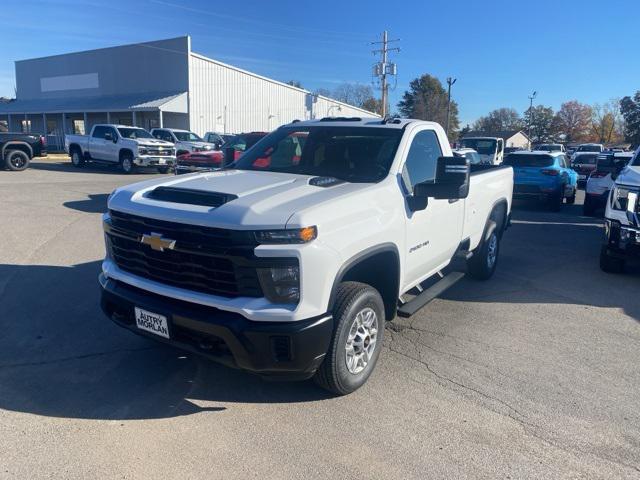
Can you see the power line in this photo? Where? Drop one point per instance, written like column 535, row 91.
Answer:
column 384, row 68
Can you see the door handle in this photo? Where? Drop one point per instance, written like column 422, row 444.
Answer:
column 453, row 200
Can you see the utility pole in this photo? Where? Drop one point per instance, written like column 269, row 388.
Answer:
column 531, row 97
column 450, row 82
column 383, row 69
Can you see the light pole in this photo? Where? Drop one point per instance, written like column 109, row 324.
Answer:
column 531, row 97
column 450, row 82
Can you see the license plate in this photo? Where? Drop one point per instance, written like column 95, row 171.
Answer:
column 152, row 322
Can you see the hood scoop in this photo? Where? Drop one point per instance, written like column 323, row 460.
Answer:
column 190, row 196
column 325, row 182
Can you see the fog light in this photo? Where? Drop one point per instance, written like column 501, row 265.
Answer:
column 280, row 284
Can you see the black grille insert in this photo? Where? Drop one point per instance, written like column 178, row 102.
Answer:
column 203, row 259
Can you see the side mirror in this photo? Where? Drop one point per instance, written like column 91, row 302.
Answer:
column 451, row 183
column 108, row 136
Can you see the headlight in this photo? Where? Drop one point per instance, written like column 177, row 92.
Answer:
column 295, row 235
column 620, row 198
column 280, row 284
column 142, row 151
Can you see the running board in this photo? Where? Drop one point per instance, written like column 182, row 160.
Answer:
column 429, row 294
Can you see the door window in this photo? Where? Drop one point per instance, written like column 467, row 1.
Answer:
column 422, row 158
column 99, row 132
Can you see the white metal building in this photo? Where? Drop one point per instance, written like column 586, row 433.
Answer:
column 153, row 84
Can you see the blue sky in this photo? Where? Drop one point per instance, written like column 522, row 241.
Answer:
column 499, row 50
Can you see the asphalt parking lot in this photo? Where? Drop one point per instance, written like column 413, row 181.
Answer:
column 533, row 374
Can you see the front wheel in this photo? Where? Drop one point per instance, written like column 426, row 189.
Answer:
column 16, row 160
column 359, row 324
column 126, row 164
column 610, row 264
column 555, row 202
column 482, row 265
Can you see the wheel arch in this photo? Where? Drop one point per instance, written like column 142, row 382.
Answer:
column 365, row 267
column 125, row 151
column 17, row 145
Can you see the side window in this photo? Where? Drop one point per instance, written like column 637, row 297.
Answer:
column 156, row 134
column 112, row 131
column 422, row 158
column 98, row 132
column 563, row 161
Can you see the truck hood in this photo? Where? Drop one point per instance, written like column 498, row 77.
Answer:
column 255, row 199
column 148, row 142
column 629, row 176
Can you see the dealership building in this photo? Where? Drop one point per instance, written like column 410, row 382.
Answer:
column 154, row 84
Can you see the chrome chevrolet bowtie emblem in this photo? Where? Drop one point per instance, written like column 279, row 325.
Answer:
column 157, row 242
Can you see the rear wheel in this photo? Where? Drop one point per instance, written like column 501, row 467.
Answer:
column 76, row 158
column 555, row 202
column 359, row 324
column 126, row 163
column 610, row 264
column 482, row 265
column 572, row 199
column 16, row 160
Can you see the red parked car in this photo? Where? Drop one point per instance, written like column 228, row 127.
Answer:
column 584, row 163
column 212, row 160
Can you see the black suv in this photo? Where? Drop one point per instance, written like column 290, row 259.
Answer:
column 18, row 149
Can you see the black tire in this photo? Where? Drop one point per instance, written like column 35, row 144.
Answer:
column 126, row 163
column 555, row 202
column 588, row 209
column 352, row 299
column 482, row 265
column 16, row 160
column 163, row 170
column 610, row 264
column 572, row 199
column 76, row 158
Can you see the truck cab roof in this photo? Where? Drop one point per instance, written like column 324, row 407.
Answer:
column 396, row 123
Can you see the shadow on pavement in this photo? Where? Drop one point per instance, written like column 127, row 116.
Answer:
column 61, row 357
column 560, row 264
column 87, row 168
column 96, row 203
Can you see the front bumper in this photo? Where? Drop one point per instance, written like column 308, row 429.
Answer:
column 621, row 240
column 154, row 161
column 285, row 350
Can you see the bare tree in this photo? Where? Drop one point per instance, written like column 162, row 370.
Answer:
column 605, row 121
column 573, row 120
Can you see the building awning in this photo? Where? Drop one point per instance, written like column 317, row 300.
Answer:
column 168, row 102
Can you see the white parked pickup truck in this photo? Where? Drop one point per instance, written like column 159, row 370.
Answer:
column 622, row 217
column 290, row 261
column 184, row 140
column 121, row 145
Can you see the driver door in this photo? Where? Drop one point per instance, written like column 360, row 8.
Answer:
column 433, row 234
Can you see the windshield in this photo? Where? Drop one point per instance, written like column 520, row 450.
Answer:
column 354, row 154
column 134, row 133
column 528, row 160
column 589, row 148
column 481, row 145
column 187, row 137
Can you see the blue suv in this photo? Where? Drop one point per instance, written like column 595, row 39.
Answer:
column 543, row 176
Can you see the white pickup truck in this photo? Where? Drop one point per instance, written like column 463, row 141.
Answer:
column 289, row 261
column 622, row 217
column 184, row 140
column 121, row 145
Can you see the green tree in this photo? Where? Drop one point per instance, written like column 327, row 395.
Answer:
column 426, row 99
column 630, row 110
column 499, row 119
column 573, row 120
column 543, row 126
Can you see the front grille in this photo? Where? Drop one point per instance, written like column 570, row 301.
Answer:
column 203, row 259
column 165, row 152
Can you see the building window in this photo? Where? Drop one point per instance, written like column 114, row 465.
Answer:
column 125, row 121
column 26, row 126
column 52, row 126
column 4, row 126
column 78, row 127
